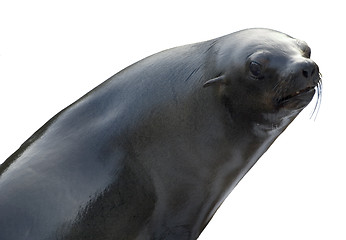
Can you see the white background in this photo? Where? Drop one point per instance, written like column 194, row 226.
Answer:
column 52, row 52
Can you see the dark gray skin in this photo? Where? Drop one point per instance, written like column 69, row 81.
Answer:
column 153, row 151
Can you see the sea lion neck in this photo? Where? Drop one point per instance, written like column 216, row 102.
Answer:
column 220, row 151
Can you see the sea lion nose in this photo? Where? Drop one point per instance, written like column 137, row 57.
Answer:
column 309, row 69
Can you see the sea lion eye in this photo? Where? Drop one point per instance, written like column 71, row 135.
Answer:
column 256, row 69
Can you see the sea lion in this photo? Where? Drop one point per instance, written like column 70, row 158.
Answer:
column 152, row 152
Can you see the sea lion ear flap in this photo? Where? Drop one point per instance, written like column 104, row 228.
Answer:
column 215, row 81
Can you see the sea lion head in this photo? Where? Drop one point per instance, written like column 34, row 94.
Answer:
column 265, row 76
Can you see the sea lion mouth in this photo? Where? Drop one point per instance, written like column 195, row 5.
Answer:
column 301, row 98
column 297, row 93
column 296, row 100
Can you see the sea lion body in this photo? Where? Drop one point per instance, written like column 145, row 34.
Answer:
column 152, row 152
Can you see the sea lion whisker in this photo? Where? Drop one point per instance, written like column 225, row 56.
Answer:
column 276, row 86
column 319, row 98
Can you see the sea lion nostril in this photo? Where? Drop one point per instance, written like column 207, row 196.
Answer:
column 305, row 73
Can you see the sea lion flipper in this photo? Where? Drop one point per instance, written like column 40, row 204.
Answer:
column 218, row 80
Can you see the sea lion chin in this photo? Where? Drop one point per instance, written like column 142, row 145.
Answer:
column 152, row 152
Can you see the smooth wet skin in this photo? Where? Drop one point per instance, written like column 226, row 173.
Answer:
column 153, row 151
